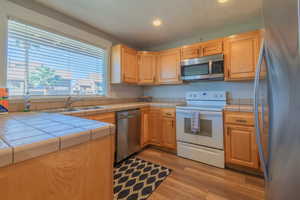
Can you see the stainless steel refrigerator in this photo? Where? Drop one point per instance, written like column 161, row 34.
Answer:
column 277, row 100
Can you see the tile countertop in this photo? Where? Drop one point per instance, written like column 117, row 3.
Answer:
column 28, row 135
column 239, row 108
column 121, row 107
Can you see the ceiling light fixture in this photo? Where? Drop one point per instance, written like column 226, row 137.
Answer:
column 222, row 1
column 157, row 22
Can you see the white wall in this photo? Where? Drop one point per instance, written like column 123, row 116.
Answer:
column 243, row 90
column 10, row 9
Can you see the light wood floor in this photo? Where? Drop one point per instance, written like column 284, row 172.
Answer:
column 191, row 180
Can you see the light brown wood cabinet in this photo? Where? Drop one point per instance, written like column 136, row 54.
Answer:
column 81, row 172
column 159, row 127
column 241, row 147
column 240, row 143
column 168, row 128
column 155, row 68
column 191, row 51
column 155, row 126
column 103, row 117
column 145, row 132
column 169, row 69
column 124, row 64
column 212, row 47
column 241, row 54
column 198, row 50
column 147, row 68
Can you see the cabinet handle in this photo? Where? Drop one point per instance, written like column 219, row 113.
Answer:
column 172, row 123
column 241, row 120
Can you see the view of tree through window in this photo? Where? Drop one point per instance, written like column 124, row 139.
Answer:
column 44, row 63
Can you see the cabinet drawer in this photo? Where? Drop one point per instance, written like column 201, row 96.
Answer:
column 168, row 112
column 239, row 118
column 104, row 117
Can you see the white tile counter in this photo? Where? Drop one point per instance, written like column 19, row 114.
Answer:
column 28, row 135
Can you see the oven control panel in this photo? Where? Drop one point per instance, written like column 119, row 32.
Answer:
column 206, row 96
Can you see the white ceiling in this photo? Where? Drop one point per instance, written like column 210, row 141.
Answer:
column 131, row 20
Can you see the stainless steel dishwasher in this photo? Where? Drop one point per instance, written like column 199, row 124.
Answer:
column 128, row 133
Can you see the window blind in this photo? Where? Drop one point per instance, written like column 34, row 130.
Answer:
column 44, row 63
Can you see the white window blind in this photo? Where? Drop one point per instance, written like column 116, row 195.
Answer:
column 44, row 63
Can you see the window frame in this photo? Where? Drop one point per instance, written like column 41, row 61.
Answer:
column 106, row 62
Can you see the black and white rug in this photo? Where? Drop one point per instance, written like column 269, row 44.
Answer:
column 136, row 179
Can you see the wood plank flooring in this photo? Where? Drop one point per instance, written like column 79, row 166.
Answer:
column 191, row 180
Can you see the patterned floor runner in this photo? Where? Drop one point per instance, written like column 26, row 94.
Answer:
column 136, row 179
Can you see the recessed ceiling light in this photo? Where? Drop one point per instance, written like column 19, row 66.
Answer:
column 222, row 1
column 157, row 22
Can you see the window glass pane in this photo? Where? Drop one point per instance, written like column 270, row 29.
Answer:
column 44, row 63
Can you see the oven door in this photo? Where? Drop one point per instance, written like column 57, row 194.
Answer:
column 211, row 128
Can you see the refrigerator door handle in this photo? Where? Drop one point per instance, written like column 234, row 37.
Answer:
column 256, row 111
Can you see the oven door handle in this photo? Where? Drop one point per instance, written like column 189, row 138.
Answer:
column 189, row 112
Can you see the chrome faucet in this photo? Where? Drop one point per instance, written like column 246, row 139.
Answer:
column 68, row 102
column 27, row 103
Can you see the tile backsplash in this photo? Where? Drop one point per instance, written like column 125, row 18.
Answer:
column 236, row 90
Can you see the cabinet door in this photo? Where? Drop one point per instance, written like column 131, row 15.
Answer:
column 145, row 137
column 240, row 146
column 105, row 117
column 129, row 65
column 168, row 133
column 147, row 66
column 155, row 126
column 191, row 51
column 241, row 54
column 169, row 67
column 212, row 47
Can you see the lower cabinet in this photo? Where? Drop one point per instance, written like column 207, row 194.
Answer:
column 168, row 132
column 241, row 146
column 104, row 117
column 240, row 141
column 155, row 126
column 109, row 117
column 158, row 127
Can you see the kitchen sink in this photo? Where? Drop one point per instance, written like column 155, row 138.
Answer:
column 91, row 108
column 74, row 109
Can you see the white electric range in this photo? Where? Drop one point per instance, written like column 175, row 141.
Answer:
column 205, row 145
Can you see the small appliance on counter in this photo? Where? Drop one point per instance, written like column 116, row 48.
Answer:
column 3, row 100
column 145, row 99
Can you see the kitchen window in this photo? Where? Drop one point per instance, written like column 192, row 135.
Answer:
column 42, row 63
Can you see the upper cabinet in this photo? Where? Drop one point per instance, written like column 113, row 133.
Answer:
column 124, row 65
column 241, row 54
column 168, row 68
column 147, row 68
column 198, row 50
column 191, row 51
column 158, row 68
column 212, row 47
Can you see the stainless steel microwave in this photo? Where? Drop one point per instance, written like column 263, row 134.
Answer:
column 204, row 68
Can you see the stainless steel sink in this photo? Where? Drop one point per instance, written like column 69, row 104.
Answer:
column 92, row 108
column 74, row 109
